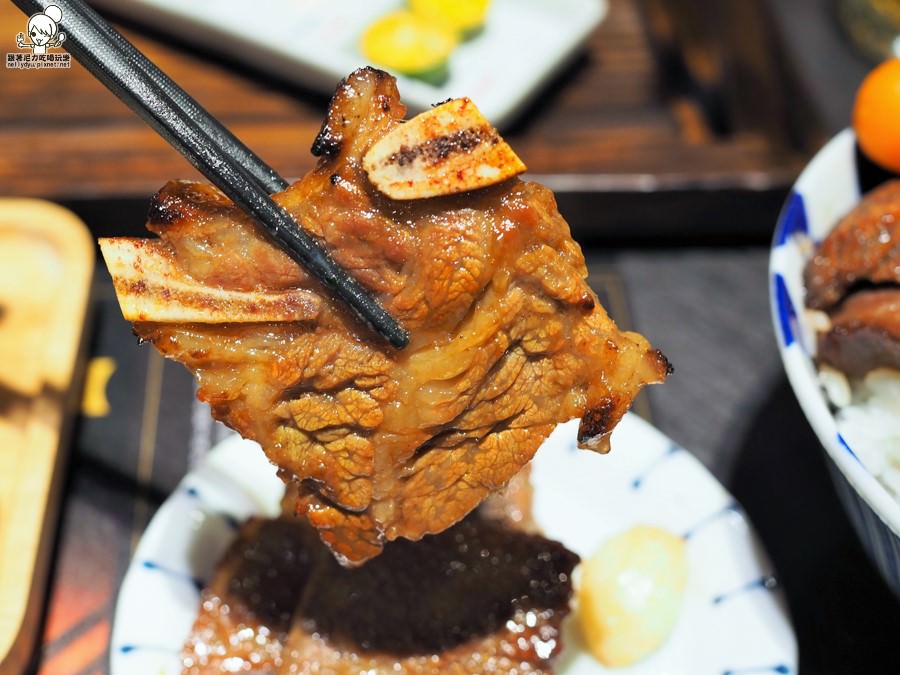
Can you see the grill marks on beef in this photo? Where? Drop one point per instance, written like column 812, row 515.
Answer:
column 855, row 277
column 507, row 338
column 479, row 597
column 441, row 148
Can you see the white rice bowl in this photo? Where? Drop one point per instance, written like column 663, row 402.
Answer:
column 868, row 418
column 858, row 424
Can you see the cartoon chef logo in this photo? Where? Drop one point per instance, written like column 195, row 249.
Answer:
column 43, row 29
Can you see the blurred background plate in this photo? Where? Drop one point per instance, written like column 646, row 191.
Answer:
column 580, row 498
column 316, row 43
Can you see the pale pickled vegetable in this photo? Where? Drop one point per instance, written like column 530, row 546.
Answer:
column 630, row 594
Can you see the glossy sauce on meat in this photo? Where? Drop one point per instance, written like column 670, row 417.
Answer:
column 854, row 276
column 864, row 248
column 864, row 334
column 481, row 597
column 245, row 613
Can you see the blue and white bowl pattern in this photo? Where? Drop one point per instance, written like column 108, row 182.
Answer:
column 580, row 498
column 828, row 189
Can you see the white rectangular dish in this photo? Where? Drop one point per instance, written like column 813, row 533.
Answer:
column 315, row 43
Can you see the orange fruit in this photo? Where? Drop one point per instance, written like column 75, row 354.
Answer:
column 876, row 115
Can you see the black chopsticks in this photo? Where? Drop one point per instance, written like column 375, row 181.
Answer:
column 265, row 175
column 206, row 144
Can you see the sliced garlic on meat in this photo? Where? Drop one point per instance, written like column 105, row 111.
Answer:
column 449, row 149
column 150, row 287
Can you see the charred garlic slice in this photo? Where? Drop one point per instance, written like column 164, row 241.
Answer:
column 449, row 149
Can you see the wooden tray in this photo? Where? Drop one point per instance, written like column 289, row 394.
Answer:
column 46, row 267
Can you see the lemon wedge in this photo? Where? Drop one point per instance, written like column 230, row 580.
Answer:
column 407, row 43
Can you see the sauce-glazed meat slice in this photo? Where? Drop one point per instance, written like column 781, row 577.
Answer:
column 864, row 334
column 507, row 338
column 245, row 612
column 854, row 276
column 864, row 248
column 478, row 598
column 481, row 597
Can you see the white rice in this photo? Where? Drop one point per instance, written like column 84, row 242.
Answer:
column 868, row 417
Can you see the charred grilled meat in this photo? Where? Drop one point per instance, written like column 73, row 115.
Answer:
column 854, row 276
column 508, row 340
column 864, row 333
column 863, row 249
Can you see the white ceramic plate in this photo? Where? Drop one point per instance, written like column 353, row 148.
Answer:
column 732, row 622
column 314, row 42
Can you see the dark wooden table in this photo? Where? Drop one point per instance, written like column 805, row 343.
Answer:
column 667, row 99
column 670, row 141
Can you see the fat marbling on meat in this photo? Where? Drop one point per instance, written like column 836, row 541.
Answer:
column 507, row 338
